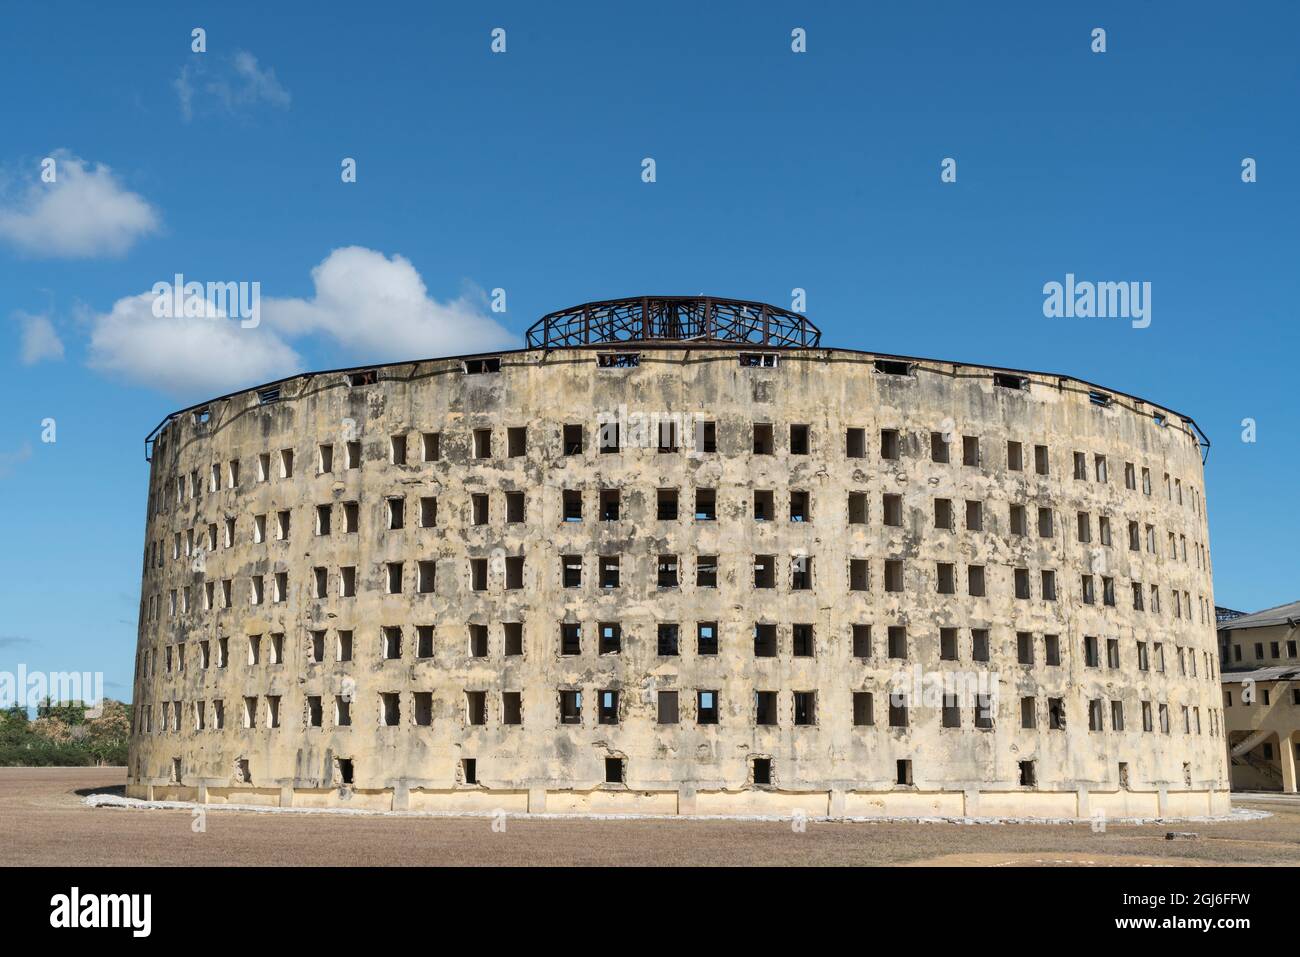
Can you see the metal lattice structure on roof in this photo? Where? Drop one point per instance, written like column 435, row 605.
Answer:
column 702, row 319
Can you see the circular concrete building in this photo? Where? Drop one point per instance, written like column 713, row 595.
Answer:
column 678, row 557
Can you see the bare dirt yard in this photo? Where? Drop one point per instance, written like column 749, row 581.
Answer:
column 43, row 821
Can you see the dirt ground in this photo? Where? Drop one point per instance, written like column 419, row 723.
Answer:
column 43, row 821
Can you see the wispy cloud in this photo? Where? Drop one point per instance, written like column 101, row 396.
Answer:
column 232, row 84
column 39, row 339
column 10, row 459
column 185, row 92
column 85, row 212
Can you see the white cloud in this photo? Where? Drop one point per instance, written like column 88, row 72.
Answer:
column 232, row 84
column 379, row 308
column 84, row 212
column 185, row 357
column 39, row 340
column 375, row 307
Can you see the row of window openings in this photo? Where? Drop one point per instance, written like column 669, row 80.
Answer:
column 476, row 709
column 573, row 443
column 939, row 452
column 1274, row 647
column 391, row 646
column 667, row 575
column 1265, row 698
column 761, row 771
column 801, row 567
column 570, row 710
column 345, row 771
column 610, row 640
column 1187, row 657
column 1152, row 713
column 765, row 712
column 667, row 571
column 667, row 509
column 430, row 451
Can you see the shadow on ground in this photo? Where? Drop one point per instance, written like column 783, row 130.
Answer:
column 118, row 790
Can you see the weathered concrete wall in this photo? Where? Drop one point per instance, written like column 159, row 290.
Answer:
column 1260, row 694
column 686, row 767
column 1262, row 647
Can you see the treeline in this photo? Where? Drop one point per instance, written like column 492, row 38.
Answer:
column 63, row 736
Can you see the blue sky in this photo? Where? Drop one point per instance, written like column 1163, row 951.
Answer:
column 522, row 171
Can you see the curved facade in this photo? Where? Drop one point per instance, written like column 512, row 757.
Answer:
column 483, row 583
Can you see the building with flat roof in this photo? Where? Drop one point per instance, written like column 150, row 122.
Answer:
column 1261, row 696
column 676, row 556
